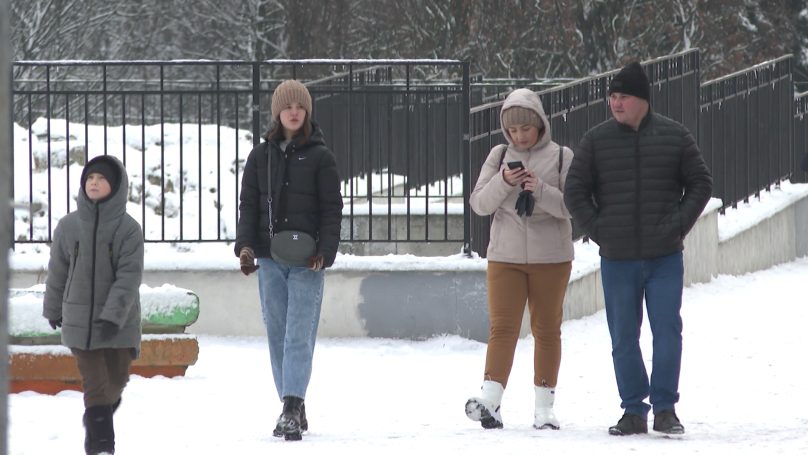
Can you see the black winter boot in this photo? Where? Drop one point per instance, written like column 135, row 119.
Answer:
column 116, row 405
column 99, row 430
column 304, row 422
column 289, row 423
column 629, row 424
column 667, row 422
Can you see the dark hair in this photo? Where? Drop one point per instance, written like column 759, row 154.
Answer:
column 276, row 131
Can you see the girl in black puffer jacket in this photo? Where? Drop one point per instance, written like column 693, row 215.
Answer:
column 305, row 198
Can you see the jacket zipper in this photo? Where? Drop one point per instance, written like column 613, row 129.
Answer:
column 527, row 226
column 111, row 262
column 637, row 211
column 92, row 279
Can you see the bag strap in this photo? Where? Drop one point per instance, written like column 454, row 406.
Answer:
column 502, row 155
column 269, row 188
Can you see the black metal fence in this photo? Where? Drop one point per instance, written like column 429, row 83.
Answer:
column 485, row 91
column 745, row 130
column 800, row 138
column 399, row 137
column 575, row 107
column 407, row 142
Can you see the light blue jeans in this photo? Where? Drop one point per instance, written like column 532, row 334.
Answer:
column 291, row 298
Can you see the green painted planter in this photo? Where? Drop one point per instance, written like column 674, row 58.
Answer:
column 167, row 309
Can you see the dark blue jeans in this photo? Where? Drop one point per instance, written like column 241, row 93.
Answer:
column 625, row 284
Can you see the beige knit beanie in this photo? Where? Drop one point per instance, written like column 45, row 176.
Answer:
column 287, row 92
column 518, row 115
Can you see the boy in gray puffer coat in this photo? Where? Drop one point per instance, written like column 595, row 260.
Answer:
column 92, row 293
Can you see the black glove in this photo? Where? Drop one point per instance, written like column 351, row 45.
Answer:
column 525, row 203
column 106, row 329
column 55, row 323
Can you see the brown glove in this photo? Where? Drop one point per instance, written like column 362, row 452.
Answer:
column 316, row 263
column 247, row 259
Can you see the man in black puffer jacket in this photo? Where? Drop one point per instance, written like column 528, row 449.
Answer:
column 637, row 185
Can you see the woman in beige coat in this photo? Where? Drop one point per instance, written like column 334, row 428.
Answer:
column 529, row 254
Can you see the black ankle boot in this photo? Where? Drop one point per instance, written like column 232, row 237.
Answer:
column 304, row 422
column 289, row 423
column 116, row 405
column 99, row 430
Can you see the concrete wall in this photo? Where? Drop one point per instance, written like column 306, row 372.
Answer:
column 771, row 242
column 424, row 303
column 801, row 227
column 701, row 248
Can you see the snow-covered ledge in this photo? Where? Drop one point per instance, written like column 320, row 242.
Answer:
column 418, row 297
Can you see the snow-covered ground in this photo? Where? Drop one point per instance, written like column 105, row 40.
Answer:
column 743, row 391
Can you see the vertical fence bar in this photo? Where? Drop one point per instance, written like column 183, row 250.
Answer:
column 162, row 155
column 104, row 104
column 48, row 161
column 6, row 221
column 390, row 128
column 446, row 175
column 788, row 123
column 199, row 162
column 123, row 129
column 142, row 164
column 218, row 152
column 67, row 151
column 407, row 145
column 235, row 158
column 182, row 169
column 255, row 90
column 426, row 158
column 465, row 151
column 29, row 121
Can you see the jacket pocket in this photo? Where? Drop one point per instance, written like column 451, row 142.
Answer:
column 76, row 314
column 669, row 225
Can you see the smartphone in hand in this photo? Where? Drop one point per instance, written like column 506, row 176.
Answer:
column 515, row 165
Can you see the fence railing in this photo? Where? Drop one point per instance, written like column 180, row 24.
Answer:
column 184, row 129
column 408, row 145
column 746, row 125
column 800, row 137
column 574, row 108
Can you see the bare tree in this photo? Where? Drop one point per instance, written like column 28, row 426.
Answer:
column 56, row 29
column 510, row 38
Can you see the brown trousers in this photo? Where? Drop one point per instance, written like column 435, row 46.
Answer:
column 104, row 374
column 542, row 287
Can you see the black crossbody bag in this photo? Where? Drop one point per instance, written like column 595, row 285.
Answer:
column 290, row 247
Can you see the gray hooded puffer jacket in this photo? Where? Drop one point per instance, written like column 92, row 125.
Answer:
column 95, row 270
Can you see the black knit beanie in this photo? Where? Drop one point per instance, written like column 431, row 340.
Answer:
column 104, row 167
column 631, row 80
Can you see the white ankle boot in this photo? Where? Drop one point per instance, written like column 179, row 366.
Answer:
column 544, row 417
column 485, row 407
